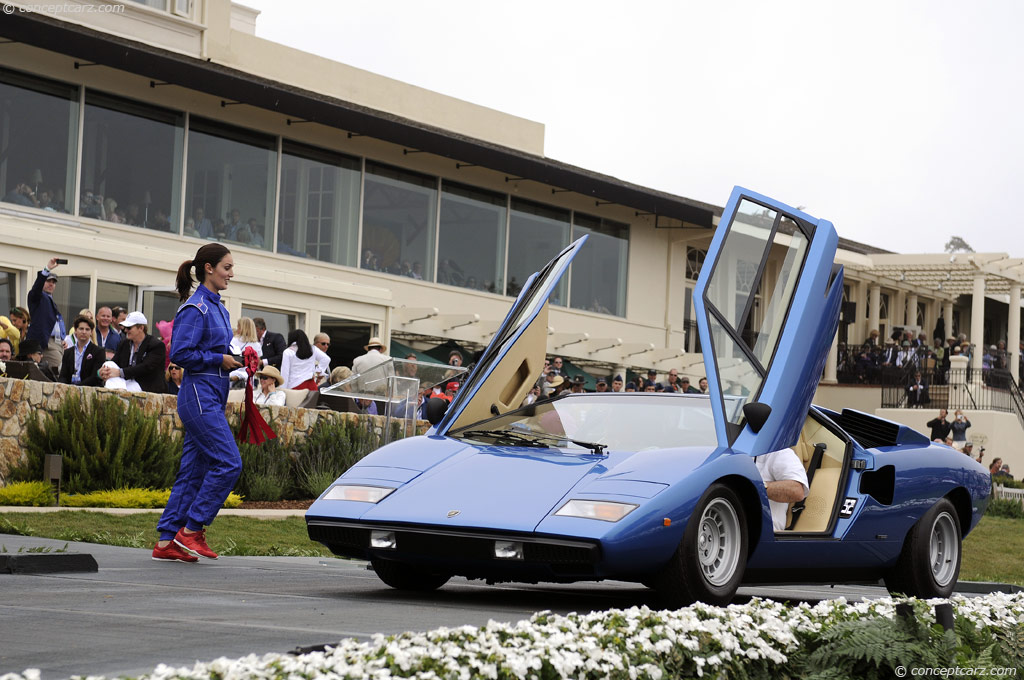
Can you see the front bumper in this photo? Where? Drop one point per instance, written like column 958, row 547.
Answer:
column 465, row 552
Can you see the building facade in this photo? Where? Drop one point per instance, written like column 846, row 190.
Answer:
column 131, row 133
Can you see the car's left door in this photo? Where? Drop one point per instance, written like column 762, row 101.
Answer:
column 767, row 302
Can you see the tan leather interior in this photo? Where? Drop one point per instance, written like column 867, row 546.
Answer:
column 825, row 485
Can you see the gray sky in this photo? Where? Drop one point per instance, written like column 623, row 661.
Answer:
column 898, row 121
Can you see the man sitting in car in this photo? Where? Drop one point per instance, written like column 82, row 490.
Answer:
column 785, row 482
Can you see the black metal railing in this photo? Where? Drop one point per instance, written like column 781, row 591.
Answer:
column 974, row 389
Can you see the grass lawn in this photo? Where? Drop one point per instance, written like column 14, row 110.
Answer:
column 991, row 552
column 229, row 535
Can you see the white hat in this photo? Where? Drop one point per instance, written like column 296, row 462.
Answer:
column 134, row 319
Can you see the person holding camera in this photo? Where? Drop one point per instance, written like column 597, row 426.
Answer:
column 47, row 326
column 210, row 462
column 959, row 429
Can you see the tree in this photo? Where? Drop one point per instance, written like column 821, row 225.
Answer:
column 956, row 244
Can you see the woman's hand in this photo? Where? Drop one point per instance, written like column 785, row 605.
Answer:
column 229, row 363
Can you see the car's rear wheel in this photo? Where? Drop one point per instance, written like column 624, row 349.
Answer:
column 708, row 565
column 404, row 576
column 929, row 564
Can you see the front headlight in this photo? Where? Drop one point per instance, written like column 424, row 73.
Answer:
column 606, row 511
column 358, row 492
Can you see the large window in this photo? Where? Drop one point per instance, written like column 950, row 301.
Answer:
column 231, row 180
column 8, row 291
column 319, row 210
column 599, row 270
column 535, row 234
column 471, row 239
column 131, row 163
column 71, row 296
column 38, row 142
column 398, row 222
column 277, row 321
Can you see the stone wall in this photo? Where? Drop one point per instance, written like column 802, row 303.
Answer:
column 23, row 399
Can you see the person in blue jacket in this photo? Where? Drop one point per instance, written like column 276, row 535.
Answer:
column 210, row 462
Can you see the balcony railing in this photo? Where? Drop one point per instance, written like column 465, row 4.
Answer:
column 981, row 390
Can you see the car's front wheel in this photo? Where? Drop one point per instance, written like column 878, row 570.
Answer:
column 929, row 564
column 708, row 565
column 404, row 576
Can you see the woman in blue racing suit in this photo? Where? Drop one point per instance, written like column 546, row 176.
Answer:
column 210, row 462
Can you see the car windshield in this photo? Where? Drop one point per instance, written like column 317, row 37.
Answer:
column 629, row 422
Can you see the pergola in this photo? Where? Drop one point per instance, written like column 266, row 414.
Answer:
column 946, row 277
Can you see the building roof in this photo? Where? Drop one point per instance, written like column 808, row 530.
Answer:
column 97, row 47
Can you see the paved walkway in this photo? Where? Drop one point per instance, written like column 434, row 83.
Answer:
column 258, row 514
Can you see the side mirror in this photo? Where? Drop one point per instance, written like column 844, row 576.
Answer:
column 436, row 408
column 756, row 414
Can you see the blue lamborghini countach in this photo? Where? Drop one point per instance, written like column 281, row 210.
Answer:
column 662, row 489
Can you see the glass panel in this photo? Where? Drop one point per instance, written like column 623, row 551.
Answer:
column 536, row 232
column 319, row 204
column 230, row 192
column 276, row 321
column 131, row 163
column 598, row 279
column 71, row 295
column 159, row 305
column 399, row 210
column 8, row 291
column 732, row 282
column 156, row 4
column 739, row 379
column 38, row 142
column 768, row 325
column 112, row 294
column 471, row 239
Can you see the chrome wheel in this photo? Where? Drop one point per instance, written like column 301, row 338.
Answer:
column 719, row 542
column 944, row 549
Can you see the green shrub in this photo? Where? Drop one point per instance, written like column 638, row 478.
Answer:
column 266, row 473
column 104, row 443
column 130, row 498
column 1005, row 507
column 35, row 494
column 330, row 448
column 1007, row 481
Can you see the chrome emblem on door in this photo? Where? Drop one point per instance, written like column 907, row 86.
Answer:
column 452, row 513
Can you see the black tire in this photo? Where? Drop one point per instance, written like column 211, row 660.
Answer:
column 402, row 576
column 929, row 563
column 709, row 563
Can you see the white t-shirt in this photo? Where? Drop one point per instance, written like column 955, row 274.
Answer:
column 295, row 371
column 778, row 466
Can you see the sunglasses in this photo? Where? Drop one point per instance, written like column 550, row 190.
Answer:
column 174, row 368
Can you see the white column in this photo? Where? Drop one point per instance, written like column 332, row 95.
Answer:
column 1013, row 330
column 898, row 310
column 874, row 302
column 830, row 363
column 977, row 336
column 947, row 314
column 912, row 310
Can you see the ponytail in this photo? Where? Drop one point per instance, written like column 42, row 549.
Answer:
column 183, row 281
column 212, row 254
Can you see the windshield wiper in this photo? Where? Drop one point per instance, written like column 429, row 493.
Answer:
column 593, row 446
column 507, row 435
column 528, row 437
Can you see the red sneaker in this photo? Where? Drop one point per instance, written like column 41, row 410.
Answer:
column 194, row 543
column 172, row 553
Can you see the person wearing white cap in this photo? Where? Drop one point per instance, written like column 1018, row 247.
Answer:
column 139, row 357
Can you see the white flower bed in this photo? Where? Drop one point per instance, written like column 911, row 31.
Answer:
column 630, row 644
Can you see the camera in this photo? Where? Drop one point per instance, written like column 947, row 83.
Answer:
column 62, row 260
